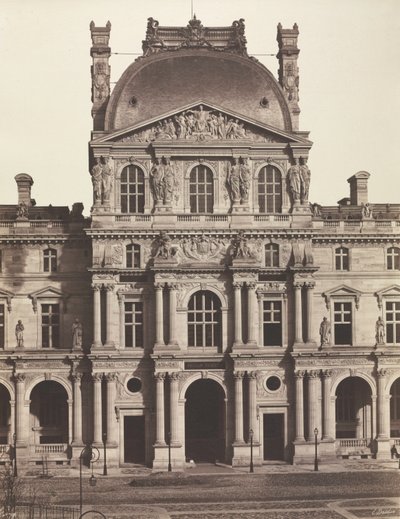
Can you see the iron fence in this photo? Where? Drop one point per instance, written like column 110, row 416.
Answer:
column 36, row 511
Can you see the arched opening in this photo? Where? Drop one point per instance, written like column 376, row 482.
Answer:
column 205, row 421
column 132, row 190
column 49, row 413
column 204, row 320
column 395, row 411
column 5, row 415
column 353, row 409
column 201, row 190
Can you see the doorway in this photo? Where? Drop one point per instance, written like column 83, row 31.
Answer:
column 274, row 434
column 134, row 439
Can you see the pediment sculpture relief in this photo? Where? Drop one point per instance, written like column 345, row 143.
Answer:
column 199, row 124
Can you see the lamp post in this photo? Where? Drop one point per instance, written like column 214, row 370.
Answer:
column 105, row 453
column 251, row 450
column 169, row 452
column 315, row 449
column 94, row 455
column 15, row 472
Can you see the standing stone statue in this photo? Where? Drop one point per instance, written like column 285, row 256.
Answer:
column 234, row 180
column 157, row 177
column 19, row 334
column 305, row 177
column 22, row 211
column 245, row 181
column 168, row 182
column 325, row 332
column 106, row 180
column 97, row 180
column 380, row 331
column 366, row 211
column 294, row 181
column 77, row 334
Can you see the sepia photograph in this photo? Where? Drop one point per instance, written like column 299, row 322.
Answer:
column 200, row 259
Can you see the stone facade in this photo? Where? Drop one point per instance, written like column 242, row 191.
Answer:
column 206, row 305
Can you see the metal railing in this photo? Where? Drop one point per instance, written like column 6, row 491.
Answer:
column 36, row 511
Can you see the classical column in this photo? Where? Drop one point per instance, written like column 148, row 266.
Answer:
column 373, row 416
column 260, row 299
column 298, row 313
column 253, row 404
column 172, row 315
column 382, row 431
column 313, row 379
column 309, row 334
column 159, row 314
column 251, row 309
column 239, row 406
column 160, row 432
column 326, row 420
column 109, row 308
column 112, row 436
column 96, row 315
column 19, row 404
column 77, row 409
column 238, row 312
column 299, row 375
column 174, row 385
column 97, row 410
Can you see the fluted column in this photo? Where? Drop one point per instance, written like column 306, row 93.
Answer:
column 97, row 409
column 109, row 308
column 111, row 419
column 160, row 431
column 159, row 314
column 298, row 313
column 260, row 301
column 253, row 405
column 239, row 406
column 174, row 385
column 313, row 379
column 382, row 408
column 299, row 375
column 172, row 315
column 96, row 315
column 77, row 409
column 19, row 402
column 309, row 333
column 326, row 420
column 238, row 312
column 251, row 311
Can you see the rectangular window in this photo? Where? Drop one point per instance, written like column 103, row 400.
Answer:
column 133, row 325
column 272, row 323
column 2, row 334
column 393, row 322
column 50, row 326
column 343, row 323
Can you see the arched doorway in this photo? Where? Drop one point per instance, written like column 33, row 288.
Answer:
column 205, row 421
column 353, row 409
column 5, row 415
column 49, row 413
column 395, row 411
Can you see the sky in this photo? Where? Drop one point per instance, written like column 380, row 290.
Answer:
column 349, row 85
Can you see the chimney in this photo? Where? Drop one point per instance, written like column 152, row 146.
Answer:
column 359, row 188
column 24, row 183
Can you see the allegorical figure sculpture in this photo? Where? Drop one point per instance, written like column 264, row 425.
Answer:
column 19, row 334
column 163, row 250
column 102, row 180
column 305, row 177
column 294, row 181
column 366, row 211
column 97, row 180
column 380, row 331
column 163, row 181
column 240, row 248
column 106, row 180
column 245, row 181
column 325, row 332
column 77, row 334
column 234, row 180
column 22, row 211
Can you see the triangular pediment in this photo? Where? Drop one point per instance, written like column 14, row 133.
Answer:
column 47, row 293
column 342, row 291
column 388, row 292
column 6, row 295
column 201, row 122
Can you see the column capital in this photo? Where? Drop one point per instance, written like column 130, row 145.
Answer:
column 76, row 377
column 109, row 287
column 238, row 375
column 382, row 372
column 111, row 377
column 172, row 286
column 309, row 284
column 160, row 376
column 175, row 375
column 299, row 373
column 252, row 375
column 159, row 286
column 326, row 373
column 97, row 377
column 19, row 378
column 96, row 287
column 251, row 285
column 237, row 285
column 313, row 373
column 298, row 284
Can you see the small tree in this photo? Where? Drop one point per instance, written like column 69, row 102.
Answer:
column 11, row 492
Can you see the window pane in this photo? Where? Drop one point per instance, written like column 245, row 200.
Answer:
column 132, row 183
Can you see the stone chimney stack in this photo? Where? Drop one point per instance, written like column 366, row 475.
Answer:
column 288, row 73
column 359, row 188
column 100, row 71
column 24, row 183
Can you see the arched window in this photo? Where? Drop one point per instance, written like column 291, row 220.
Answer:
column 393, row 258
column 272, row 255
column 269, row 190
column 132, row 190
column 341, row 258
column 204, row 320
column 133, row 256
column 50, row 260
column 201, row 190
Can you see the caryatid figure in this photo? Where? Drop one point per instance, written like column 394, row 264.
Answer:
column 295, row 181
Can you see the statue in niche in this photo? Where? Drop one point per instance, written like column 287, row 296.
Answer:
column 97, row 180
column 106, row 180
column 240, row 247
column 305, row 177
column 234, row 180
column 294, row 181
column 325, row 332
column 163, row 181
column 22, row 211
column 77, row 334
column 19, row 334
column 380, row 331
column 245, row 180
column 169, row 181
column 157, row 175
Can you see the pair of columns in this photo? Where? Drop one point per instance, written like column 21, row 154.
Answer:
column 97, row 289
column 160, row 408
column 97, row 408
column 239, row 377
column 251, row 312
column 298, row 305
column 159, row 290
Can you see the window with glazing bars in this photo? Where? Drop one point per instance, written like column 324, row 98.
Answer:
column 204, row 320
column 132, row 190
column 393, row 322
column 269, row 190
column 201, row 190
column 134, row 325
column 393, row 258
column 50, row 325
column 272, row 323
column 272, row 255
column 50, row 260
column 133, row 256
column 343, row 323
column 341, row 258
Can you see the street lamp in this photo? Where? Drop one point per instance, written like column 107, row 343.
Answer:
column 94, row 455
column 251, row 450
column 105, row 453
column 15, row 455
column 315, row 449
column 169, row 452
